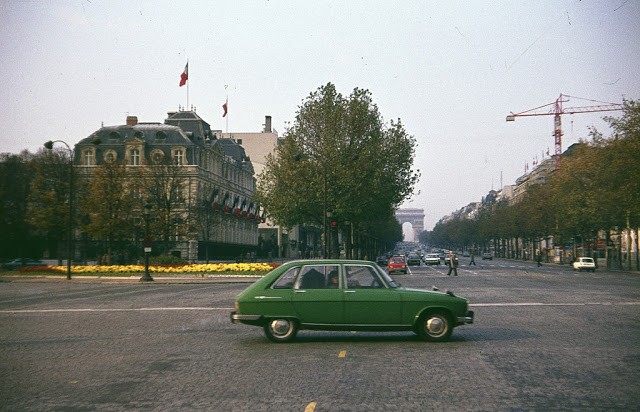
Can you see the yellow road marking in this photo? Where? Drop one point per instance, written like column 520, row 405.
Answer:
column 311, row 407
column 342, row 354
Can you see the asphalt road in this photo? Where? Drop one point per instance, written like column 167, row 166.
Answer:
column 544, row 339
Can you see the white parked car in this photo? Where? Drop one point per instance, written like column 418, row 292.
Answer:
column 432, row 259
column 584, row 263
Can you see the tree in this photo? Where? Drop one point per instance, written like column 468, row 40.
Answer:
column 18, row 239
column 164, row 185
column 338, row 159
column 111, row 208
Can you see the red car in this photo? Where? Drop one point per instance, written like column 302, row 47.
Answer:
column 397, row 264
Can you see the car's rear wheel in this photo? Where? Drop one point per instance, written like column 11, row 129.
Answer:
column 435, row 327
column 281, row 330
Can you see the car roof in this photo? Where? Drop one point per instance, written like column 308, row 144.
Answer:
column 328, row 261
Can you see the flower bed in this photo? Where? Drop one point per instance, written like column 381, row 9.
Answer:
column 252, row 269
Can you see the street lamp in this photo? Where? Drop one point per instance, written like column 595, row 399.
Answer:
column 147, row 243
column 49, row 145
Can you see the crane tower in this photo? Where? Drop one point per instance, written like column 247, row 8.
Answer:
column 556, row 110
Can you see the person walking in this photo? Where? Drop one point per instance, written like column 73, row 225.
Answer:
column 473, row 260
column 453, row 264
column 539, row 257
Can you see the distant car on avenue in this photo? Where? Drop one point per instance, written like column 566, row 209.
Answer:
column 487, row 255
column 413, row 259
column 382, row 260
column 21, row 262
column 345, row 295
column 447, row 258
column 584, row 263
column 432, row 259
column 397, row 264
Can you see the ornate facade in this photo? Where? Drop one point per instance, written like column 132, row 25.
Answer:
column 217, row 217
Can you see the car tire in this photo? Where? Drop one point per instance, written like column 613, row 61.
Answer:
column 435, row 327
column 280, row 330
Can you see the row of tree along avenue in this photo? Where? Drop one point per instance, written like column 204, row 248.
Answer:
column 590, row 206
column 342, row 169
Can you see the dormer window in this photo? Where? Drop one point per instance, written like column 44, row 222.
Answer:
column 161, row 135
column 178, row 156
column 134, row 156
column 138, row 135
column 114, row 136
column 88, row 157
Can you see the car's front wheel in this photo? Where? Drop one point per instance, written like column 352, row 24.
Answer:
column 435, row 327
column 281, row 330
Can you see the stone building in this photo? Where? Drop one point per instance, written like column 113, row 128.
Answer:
column 215, row 214
column 275, row 240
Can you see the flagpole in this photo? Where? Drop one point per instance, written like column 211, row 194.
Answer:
column 188, row 88
column 227, row 116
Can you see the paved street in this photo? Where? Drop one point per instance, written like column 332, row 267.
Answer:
column 544, row 339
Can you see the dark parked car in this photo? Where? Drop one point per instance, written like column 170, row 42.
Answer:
column 382, row 260
column 20, row 262
column 413, row 260
column 345, row 295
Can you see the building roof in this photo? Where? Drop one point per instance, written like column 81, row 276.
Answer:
column 231, row 149
column 198, row 130
column 152, row 133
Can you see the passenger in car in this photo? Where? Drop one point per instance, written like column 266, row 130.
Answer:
column 333, row 280
column 312, row 280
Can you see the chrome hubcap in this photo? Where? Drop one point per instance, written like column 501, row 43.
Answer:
column 435, row 326
column 280, row 326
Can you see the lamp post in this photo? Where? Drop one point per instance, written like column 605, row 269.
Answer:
column 49, row 145
column 147, row 243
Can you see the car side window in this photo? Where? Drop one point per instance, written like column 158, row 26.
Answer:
column 362, row 277
column 319, row 277
column 287, row 280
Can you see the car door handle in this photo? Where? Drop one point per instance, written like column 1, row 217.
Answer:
column 268, row 297
column 349, row 291
column 300, row 291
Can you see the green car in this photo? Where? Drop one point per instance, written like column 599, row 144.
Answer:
column 345, row 295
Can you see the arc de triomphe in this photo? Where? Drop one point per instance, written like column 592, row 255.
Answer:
column 413, row 216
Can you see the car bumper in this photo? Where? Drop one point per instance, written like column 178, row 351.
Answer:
column 467, row 319
column 238, row 318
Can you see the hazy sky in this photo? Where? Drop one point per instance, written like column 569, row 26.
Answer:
column 450, row 70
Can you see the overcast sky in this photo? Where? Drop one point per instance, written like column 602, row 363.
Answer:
column 451, row 71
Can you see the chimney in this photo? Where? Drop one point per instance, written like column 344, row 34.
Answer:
column 267, row 124
column 132, row 120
